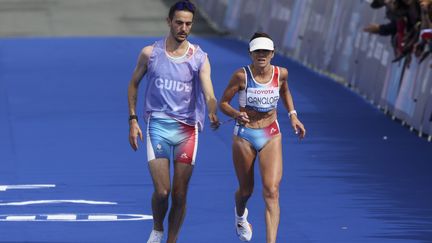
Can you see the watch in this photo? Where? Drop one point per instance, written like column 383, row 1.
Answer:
column 293, row 112
column 131, row 117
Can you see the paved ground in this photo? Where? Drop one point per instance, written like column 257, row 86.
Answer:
column 24, row 18
column 358, row 177
column 64, row 156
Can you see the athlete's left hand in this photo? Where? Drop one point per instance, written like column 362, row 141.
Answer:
column 298, row 127
column 214, row 121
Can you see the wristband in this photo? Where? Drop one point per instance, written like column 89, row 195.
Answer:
column 293, row 112
column 131, row 117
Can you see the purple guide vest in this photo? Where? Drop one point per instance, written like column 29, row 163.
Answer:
column 173, row 85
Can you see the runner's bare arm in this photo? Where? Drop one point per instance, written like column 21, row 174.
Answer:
column 206, row 83
column 285, row 95
column 234, row 86
column 138, row 73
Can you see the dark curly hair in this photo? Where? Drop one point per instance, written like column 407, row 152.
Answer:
column 184, row 5
column 260, row 34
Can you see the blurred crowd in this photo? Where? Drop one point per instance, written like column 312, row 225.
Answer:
column 409, row 26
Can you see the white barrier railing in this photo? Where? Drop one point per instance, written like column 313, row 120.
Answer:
column 327, row 36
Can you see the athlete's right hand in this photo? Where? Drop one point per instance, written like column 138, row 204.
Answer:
column 134, row 133
column 214, row 121
column 242, row 118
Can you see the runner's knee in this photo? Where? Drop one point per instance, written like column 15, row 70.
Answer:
column 271, row 192
column 161, row 195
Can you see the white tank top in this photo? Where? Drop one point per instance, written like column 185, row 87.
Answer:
column 257, row 96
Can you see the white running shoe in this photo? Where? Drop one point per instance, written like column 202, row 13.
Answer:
column 243, row 227
column 155, row 237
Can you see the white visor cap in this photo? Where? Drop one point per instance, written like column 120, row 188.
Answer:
column 261, row 43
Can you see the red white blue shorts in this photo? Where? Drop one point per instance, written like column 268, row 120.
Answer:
column 166, row 135
column 257, row 137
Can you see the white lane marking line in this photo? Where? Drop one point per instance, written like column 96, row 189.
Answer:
column 25, row 203
column 20, row 218
column 118, row 217
column 62, row 217
column 25, row 186
column 75, row 217
column 102, row 217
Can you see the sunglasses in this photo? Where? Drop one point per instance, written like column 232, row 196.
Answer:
column 184, row 5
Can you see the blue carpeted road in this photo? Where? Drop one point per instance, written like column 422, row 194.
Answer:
column 68, row 175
